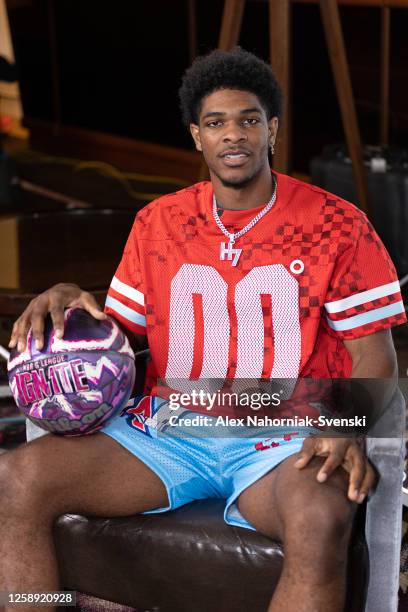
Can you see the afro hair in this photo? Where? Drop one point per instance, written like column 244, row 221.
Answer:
column 235, row 69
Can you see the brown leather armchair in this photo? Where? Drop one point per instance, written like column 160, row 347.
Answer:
column 184, row 561
column 187, row 560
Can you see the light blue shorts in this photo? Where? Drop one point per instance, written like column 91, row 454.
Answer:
column 200, row 462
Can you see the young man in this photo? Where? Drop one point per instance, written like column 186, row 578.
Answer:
column 251, row 275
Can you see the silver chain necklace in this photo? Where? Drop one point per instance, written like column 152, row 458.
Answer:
column 227, row 251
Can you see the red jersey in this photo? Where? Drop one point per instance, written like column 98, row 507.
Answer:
column 310, row 274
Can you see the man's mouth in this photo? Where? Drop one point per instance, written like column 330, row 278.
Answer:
column 234, row 158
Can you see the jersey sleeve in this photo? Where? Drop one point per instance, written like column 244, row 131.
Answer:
column 364, row 293
column 126, row 297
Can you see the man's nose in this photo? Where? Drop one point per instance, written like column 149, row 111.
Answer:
column 234, row 133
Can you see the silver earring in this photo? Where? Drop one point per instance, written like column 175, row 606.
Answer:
column 272, row 148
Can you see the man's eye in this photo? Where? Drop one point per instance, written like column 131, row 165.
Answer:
column 251, row 121
column 214, row 123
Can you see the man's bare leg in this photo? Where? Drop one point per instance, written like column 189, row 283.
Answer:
column 313, row 521
column 92, row 475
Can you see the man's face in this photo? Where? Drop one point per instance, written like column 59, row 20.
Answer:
column 234, row 135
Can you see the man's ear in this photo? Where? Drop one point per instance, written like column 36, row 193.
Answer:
column 273, row 125
column 195, row 133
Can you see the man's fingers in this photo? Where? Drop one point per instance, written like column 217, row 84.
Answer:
column 57, row 316
column 23, row 327
column 340, row 453
column 368, row 483
column 91, row 305
column 305, row 455
column 357, row 472
column 14, row 336
column 332, row 462
column 54, row 301
column 39, row 310
column 37, row 326
column 360, row 488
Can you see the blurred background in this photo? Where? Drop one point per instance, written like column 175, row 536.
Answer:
column 116, row 68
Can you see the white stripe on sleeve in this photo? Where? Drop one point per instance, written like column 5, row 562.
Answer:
column 124, row 311
column 363, row 297
column 128, row 291
column 367, row 317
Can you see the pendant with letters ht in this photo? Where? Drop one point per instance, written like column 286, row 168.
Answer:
column 228, row 252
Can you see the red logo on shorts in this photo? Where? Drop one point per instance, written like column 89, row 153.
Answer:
column 142, row 411
column 265, row 444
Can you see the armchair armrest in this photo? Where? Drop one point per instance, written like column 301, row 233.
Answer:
column 384, row 507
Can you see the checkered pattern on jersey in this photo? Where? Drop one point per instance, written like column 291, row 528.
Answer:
column 341, row 254
column 366, row 267
column 318, row 244
column 320, row 241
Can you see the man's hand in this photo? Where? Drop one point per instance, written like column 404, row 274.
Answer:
column 53, row 301
column 344, row 452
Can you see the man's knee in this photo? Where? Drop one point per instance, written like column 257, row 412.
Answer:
column 323, row 518
column 26, row 481
column 321, row 512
